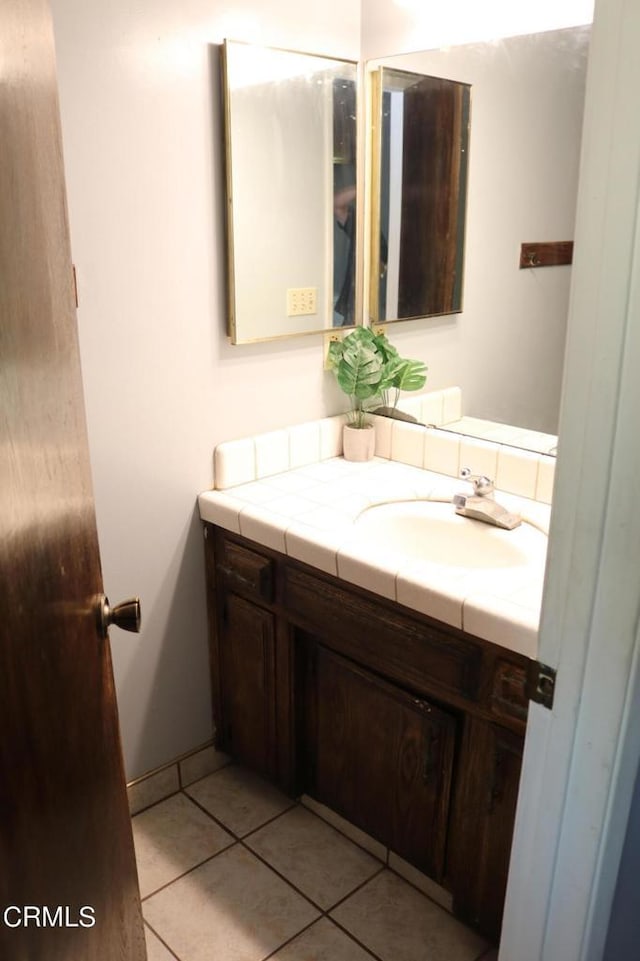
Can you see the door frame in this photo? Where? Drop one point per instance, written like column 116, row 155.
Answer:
column 581, row 758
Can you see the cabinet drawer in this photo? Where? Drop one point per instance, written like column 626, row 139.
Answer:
column 246, row 570
column 416, row 655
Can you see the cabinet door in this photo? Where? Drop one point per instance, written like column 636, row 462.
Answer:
column 383, row 759
column 246, row 659
column 485, row 808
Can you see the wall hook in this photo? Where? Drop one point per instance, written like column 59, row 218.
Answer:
column 552, row 253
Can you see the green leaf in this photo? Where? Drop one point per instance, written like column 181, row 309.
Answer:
column 387, row 350
column 410, row 375
column 391, row 373
column 359, row 370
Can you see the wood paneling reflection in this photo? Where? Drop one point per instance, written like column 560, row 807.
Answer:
column 419, row 184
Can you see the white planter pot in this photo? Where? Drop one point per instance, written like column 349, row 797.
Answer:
column 358, row 443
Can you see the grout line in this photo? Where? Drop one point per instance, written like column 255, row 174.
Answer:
column 154, row 804
column 182, row 787
column 215, row 820
column 344, row 834
column 353, row 938
column 197, row 780
column 179, row 877
column 331, row 921
column 289, row 940
column 307, row 897
column 385, row 863
column 356, row 889
column 284, row 878
column 423, row 893
column 239, row 837
column 275, row 817
column 162, row 941
column 168, row 764
column 296, row 804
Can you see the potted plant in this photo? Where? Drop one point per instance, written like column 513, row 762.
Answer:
column 366, row 367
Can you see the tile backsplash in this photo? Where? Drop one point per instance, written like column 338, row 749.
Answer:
column 517, row 471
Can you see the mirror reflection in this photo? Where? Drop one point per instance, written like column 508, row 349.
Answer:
column 291, row 155
column 419, row 178
column 506, row 349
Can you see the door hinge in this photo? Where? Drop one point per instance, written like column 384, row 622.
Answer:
column 541, row 684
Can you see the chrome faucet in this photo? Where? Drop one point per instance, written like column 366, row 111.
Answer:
column 482, row 505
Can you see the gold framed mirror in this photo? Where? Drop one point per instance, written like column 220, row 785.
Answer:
column 291, row 160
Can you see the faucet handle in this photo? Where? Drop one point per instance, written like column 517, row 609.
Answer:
column 482, row 484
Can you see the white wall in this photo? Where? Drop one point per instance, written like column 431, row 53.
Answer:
column 400, row 26
column 140, row 117
column 506, row 348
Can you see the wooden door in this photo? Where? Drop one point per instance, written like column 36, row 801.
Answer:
column 68, row 885
column 384, row 760
column 431, row 235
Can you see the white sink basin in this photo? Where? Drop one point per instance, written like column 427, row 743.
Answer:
column 433, row 532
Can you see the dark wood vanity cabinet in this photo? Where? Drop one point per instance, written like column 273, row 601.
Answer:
column 247, row 658
column 482, row 825
column 409, row 728
column 382, row 758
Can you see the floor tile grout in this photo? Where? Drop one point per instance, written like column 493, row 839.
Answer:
column 384, row 863
column 356, row 889
column 344, row 834
column 294, row 804
column 154, row 804
column 221, row 824
column 353, row 938
column 238, row 837
column 282, row 877
column 179, row 877
column 324, row 917
column 289, row 940
column 162, row 941
column 324, row 911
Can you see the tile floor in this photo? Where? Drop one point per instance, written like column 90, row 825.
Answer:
column 232, row 870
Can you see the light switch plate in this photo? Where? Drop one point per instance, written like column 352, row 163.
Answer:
column 301, row 300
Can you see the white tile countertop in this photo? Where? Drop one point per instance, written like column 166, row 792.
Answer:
column 310, row 513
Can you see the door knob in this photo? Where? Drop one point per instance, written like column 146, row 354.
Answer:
column 125, row 615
